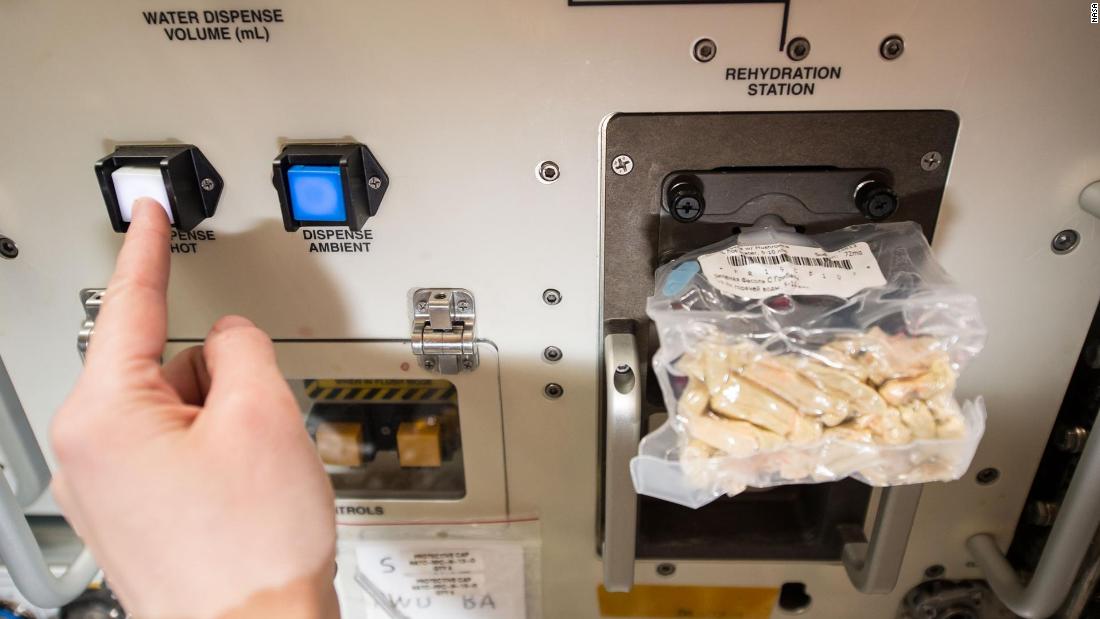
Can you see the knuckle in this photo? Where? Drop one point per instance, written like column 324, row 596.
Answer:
column 241, row 335
column 133, row 282
column 70, row 437
column 262, row 406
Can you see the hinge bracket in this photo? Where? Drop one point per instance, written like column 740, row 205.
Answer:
column 91, row 299
column 443, row 336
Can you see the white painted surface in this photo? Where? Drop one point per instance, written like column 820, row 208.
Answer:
column 460, row 101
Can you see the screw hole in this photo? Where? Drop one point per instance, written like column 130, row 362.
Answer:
column 8, row 248
column 793, row 597
column 798, row 49
column 704, row 50
column 1065, row 241
column 934, row 571
column 548, row 171
column 987, row 476
column 891, row 47
column 666, row 569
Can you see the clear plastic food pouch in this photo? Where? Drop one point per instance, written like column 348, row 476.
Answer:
column 792, row 359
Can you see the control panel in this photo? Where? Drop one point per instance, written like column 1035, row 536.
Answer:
column 448, row 217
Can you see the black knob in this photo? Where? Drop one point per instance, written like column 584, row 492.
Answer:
column 876, row 200
column 93, row 604
column 685, row 201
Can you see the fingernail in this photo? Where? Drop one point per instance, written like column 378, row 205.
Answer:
column 231, row 322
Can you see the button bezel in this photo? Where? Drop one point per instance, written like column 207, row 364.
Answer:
column 357, row 166
column 185, row 171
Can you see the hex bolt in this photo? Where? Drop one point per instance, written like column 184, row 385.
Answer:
column 1041, row 513
column 622, row 164
column 549, row 171
column 892, row 47
column 207, row 184
column 987, row 476
column 8, row 248
column 685, row 201
column 934, row 571
column 666, row 569
column 875, row 199
column 551, row 296
column 704, row 50
column 1071, row 440
column 552, row 354
column 1065, row 241
column 798, row 49
column 553, row 391
column 931, row 161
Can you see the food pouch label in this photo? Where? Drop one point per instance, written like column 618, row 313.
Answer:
column 761, row 271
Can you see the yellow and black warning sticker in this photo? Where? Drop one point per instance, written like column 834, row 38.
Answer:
column 371, row 390
column 710, row 602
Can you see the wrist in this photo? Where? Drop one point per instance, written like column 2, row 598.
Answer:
column 311, row 597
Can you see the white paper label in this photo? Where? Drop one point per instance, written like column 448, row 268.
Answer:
column 446, row 580
column 761, row 271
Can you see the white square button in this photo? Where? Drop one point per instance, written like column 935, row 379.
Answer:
column 133, row 182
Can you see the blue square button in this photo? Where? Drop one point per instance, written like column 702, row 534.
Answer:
column 316, row 193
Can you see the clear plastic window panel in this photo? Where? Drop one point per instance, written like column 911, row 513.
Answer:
column 386, row 439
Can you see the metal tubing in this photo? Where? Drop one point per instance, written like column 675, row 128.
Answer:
column 19, row 446
column 1075, row 526
column 23, row 558
column 19, row 550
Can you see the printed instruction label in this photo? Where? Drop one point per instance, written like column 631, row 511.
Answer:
column 445, row 580
column 190, row 242
column 761, row 271
column 782, row 81
column 240, row 25
column 337, row 241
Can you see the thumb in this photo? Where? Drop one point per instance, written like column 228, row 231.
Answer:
column 244, row 375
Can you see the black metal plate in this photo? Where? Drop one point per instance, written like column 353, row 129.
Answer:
column 751, row 525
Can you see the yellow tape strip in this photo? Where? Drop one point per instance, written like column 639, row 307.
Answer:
column 709, row 602
column 381, row 390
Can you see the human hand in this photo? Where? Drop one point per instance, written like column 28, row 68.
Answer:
column 194, row 483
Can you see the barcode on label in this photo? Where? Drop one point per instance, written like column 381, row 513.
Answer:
column 738, row 260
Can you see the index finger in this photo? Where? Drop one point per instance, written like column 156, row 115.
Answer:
column 133, row 322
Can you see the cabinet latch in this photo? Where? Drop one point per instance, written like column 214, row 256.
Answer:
column 91, row 299
column 443, row 337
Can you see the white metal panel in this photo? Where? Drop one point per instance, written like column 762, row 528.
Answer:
column 460, row 101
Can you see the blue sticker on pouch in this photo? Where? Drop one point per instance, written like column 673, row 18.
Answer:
column 679, row 278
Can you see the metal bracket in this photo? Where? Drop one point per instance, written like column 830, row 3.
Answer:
column 91, row 299
column 620, row 507
column 873, row 566
column 443, row 335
